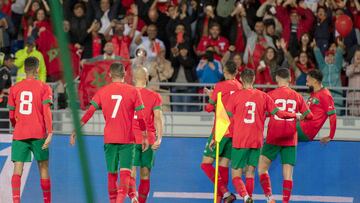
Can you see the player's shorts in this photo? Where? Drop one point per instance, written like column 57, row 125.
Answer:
column 21, row 150
column 240, row 158
column 287, row 153
column 119, row 155
column 225, row 146
column 301, row 135
column 144, row 159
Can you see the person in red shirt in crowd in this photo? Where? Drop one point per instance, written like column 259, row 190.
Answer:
column 97, row 38
column 204, row 21
column 265, row 73
column 118, row 102
column 31, row 15
column 29, row 103
column 220, row 44
column 247, row 109
column 281, row 135
column 322, row 106
column 236, row 35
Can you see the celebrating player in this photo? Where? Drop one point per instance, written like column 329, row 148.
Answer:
column 227, row 87
column 281, row 135
column 248, row 108
column 30, row 114
column 154, row 125
column 118, row 101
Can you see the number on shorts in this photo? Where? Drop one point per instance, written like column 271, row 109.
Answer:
column 251, row 112
column 26, row 98
column 118, row 99
column 283, row 104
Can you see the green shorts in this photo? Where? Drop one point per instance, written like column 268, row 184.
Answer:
column 21, row 150
column 287, row 153
column 119, row 155
column 240, row 158
column 301, row 135
column 144, row 159
column 225, row 146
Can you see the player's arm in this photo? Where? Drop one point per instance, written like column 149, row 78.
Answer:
column 11, row 106
column 304, row 109
column 212, row 94
column 46, row 107
column 329, row 106
column 139, row 106
column 159, row 123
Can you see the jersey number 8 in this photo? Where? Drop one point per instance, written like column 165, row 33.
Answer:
column 26, row 98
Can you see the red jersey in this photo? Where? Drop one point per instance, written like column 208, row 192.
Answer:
column 27, row 98
column 227, row 88
column 152, row 101
column 321, row 104
column 282, row 132
column 248, row 108
column 221, row 42
column 118, row 101
column 121, row 46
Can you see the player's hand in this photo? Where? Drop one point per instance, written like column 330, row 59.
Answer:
column 72, row 138
column 325, row 140
column 156, row 145
column 145, row 144
column 299, row 116
column 47, row 141
column 212, row 144
column 208, row 92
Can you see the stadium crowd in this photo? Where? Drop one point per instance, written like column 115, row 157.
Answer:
column 187, row 41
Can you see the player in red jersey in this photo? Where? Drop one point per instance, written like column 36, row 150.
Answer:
column 321, row 104
column 227, row 87
column 281, row 135
column 248, row 108
column 154, row 125
column 30, row 114
column 118, row 101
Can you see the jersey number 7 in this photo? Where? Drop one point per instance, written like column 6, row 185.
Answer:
column 118, row 99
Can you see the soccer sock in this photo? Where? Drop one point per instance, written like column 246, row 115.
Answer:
column 112, row 178
column 250, row 186
column 239, row 186
column 209, row 170
column 132, row 188
column 46, row 188
column 266, row 184
column 224, row 173
column 15, row 184
column 144, row 189
column 287, row 187
column 123, row 187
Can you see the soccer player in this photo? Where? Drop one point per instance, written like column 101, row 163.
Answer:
column 227, row 87
column 154, row 124
column 321, row 104
column 30, row 114
column 248, row 108
column 118, row 102
column 281, row 135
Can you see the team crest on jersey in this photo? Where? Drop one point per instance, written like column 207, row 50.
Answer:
column 222, row 45
column 313, row 100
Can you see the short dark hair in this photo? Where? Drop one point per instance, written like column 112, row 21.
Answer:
column 214, row 24
column 31, row 64
column 316, row 74
column 117, row 70
column 283, row 73
column 247, row 76
column 230, row 66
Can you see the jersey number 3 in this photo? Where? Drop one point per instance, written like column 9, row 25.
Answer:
column 118, row 99
column 26, row 98
column 251, row 106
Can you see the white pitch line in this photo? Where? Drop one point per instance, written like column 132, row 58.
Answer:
column 295, row 198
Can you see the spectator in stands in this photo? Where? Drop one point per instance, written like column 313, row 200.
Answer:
column 160, row 71
column 353, row 94
column 267, row 12
column 7, row 62
column 270, row 61
column 331, row 66
column 236, row 35
column 17, row 12
column 151, row 43
column 322, row 33
column 6, row 31
column 109, row 53
column 31, row 12
column 22, row 54
column 140, row 59
column 105, row 12
column 206, row 19
column 236, row 57
column 224, row 10
column 180, row 36
column 97, row 39
column 209, row 69
column 305, row 46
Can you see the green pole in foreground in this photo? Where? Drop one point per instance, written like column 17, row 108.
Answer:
column 57, row 22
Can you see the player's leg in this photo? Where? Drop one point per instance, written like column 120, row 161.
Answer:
column 288, row 159
column 20, row 153
column 126, row 156
column 253, row 161
column 112, row 165
column 238, row 162
column 301, row 135
column 42, row 156
column 132, row 183
column 147, row 162
column 224, row 161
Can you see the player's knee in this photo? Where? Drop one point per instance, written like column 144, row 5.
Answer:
column 18, row 168
column 145, row 174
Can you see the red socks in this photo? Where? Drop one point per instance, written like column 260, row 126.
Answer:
column 46, row 188
column 15, row 184
column 112, row 178
column 123, row 187
column 209, row 170
column 287, row 187
column 250, row 184
column 266, row 184
column 224, row 173
column 132, row 188
column 144, row 189
column 239, row 186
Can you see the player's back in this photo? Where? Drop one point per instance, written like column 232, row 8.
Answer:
column 227, row 88
column 118, row 101
column 27, row 99
column 283, row 131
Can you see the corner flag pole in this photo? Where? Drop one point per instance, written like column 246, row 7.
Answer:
column 216, row 171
